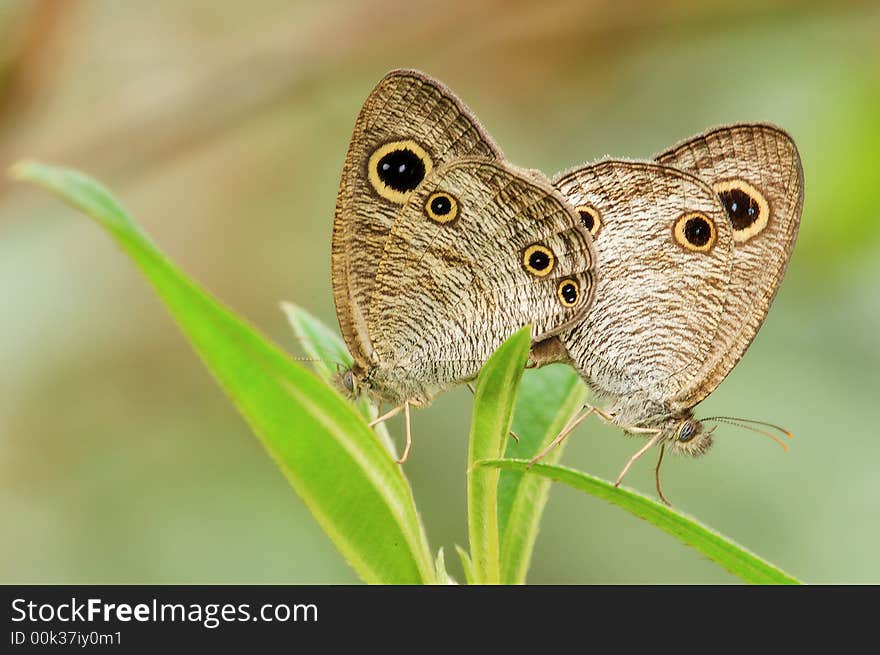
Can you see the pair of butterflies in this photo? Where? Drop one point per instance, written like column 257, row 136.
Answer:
column 650, row 277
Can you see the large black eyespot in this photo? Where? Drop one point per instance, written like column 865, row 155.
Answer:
column 741, row 207
column 568, row 292
column 590, row 218
column 695, row 231
column 441, row 207
column 402, row 169
column 746, row 207
column 397, row 168
column 538, row 260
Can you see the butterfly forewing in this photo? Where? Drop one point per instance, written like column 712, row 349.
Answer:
column 755, row 169
column 408, row 126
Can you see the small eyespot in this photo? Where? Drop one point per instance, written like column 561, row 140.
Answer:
column 538, row 260
column 590, row 218
column 747, row 208
column 348, row 380
column 441, row 207
column 695, row 231
column 568, row 292
column 397, row 168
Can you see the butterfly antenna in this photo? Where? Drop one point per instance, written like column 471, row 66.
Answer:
column 749, row 424
column 788, row 434
column 339, row 365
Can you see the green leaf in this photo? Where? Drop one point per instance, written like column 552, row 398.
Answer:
column 321, row 344
column 687, row 529
column 494, row 398
column 443, row 576
column 548, row 398
column 466, row 564
column 327, row 350
column 321, row 443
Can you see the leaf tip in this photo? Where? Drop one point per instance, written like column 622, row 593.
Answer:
column 288, row 308
column 21, row 170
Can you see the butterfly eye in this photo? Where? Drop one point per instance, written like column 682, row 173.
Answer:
column 568, row 292
column 538, row 260
column 590, row 218
column 686, row 431
column 746, row 207
column 349, row 383
column 441, row 207
column 397, row 168
column 695, row 231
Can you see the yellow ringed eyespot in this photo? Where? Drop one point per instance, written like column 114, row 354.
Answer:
column 397, row 168
column 590, row 218
column 695, row 231
column 568, row 292
column 747, row 208
column 538, row 260
column 441, row 207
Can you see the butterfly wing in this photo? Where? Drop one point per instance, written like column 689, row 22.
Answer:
column 756, row 171
column 479, row 250
column 664, row 249
column 409, row 125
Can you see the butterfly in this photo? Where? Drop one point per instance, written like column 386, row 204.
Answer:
column 441, row 248
column 692, row 248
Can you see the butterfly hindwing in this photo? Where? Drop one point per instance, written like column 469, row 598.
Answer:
column 664, row 249
column 480, row 250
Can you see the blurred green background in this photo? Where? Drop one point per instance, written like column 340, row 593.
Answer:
column 223, row 127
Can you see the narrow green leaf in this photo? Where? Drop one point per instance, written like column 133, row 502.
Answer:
column 443, row 576
column 548, row 398
column 322, row 445
column 321, row 344
column 466, row 564
column 494, row 398
column 327, row 350
column 686, row 529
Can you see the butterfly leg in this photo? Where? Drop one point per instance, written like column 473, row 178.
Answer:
column 605, row 416
column 387, row 415
column 657, row 475
column 575, row 421
column 470, row 385
column 653, row 442
column 406, row 448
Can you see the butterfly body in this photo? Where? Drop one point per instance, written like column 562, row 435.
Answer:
column 387, row 382
column 651, row 278
column 691, row 249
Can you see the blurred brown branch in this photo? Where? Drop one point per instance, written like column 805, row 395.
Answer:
column 26, row 65
column 152, row 118
column 145, row 122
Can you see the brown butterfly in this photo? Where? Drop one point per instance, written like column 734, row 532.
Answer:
column 442, row 249
column 691, row 249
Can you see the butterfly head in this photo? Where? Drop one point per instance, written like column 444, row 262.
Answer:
column 350, row 381
column 689, row 437
column 380, row 383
